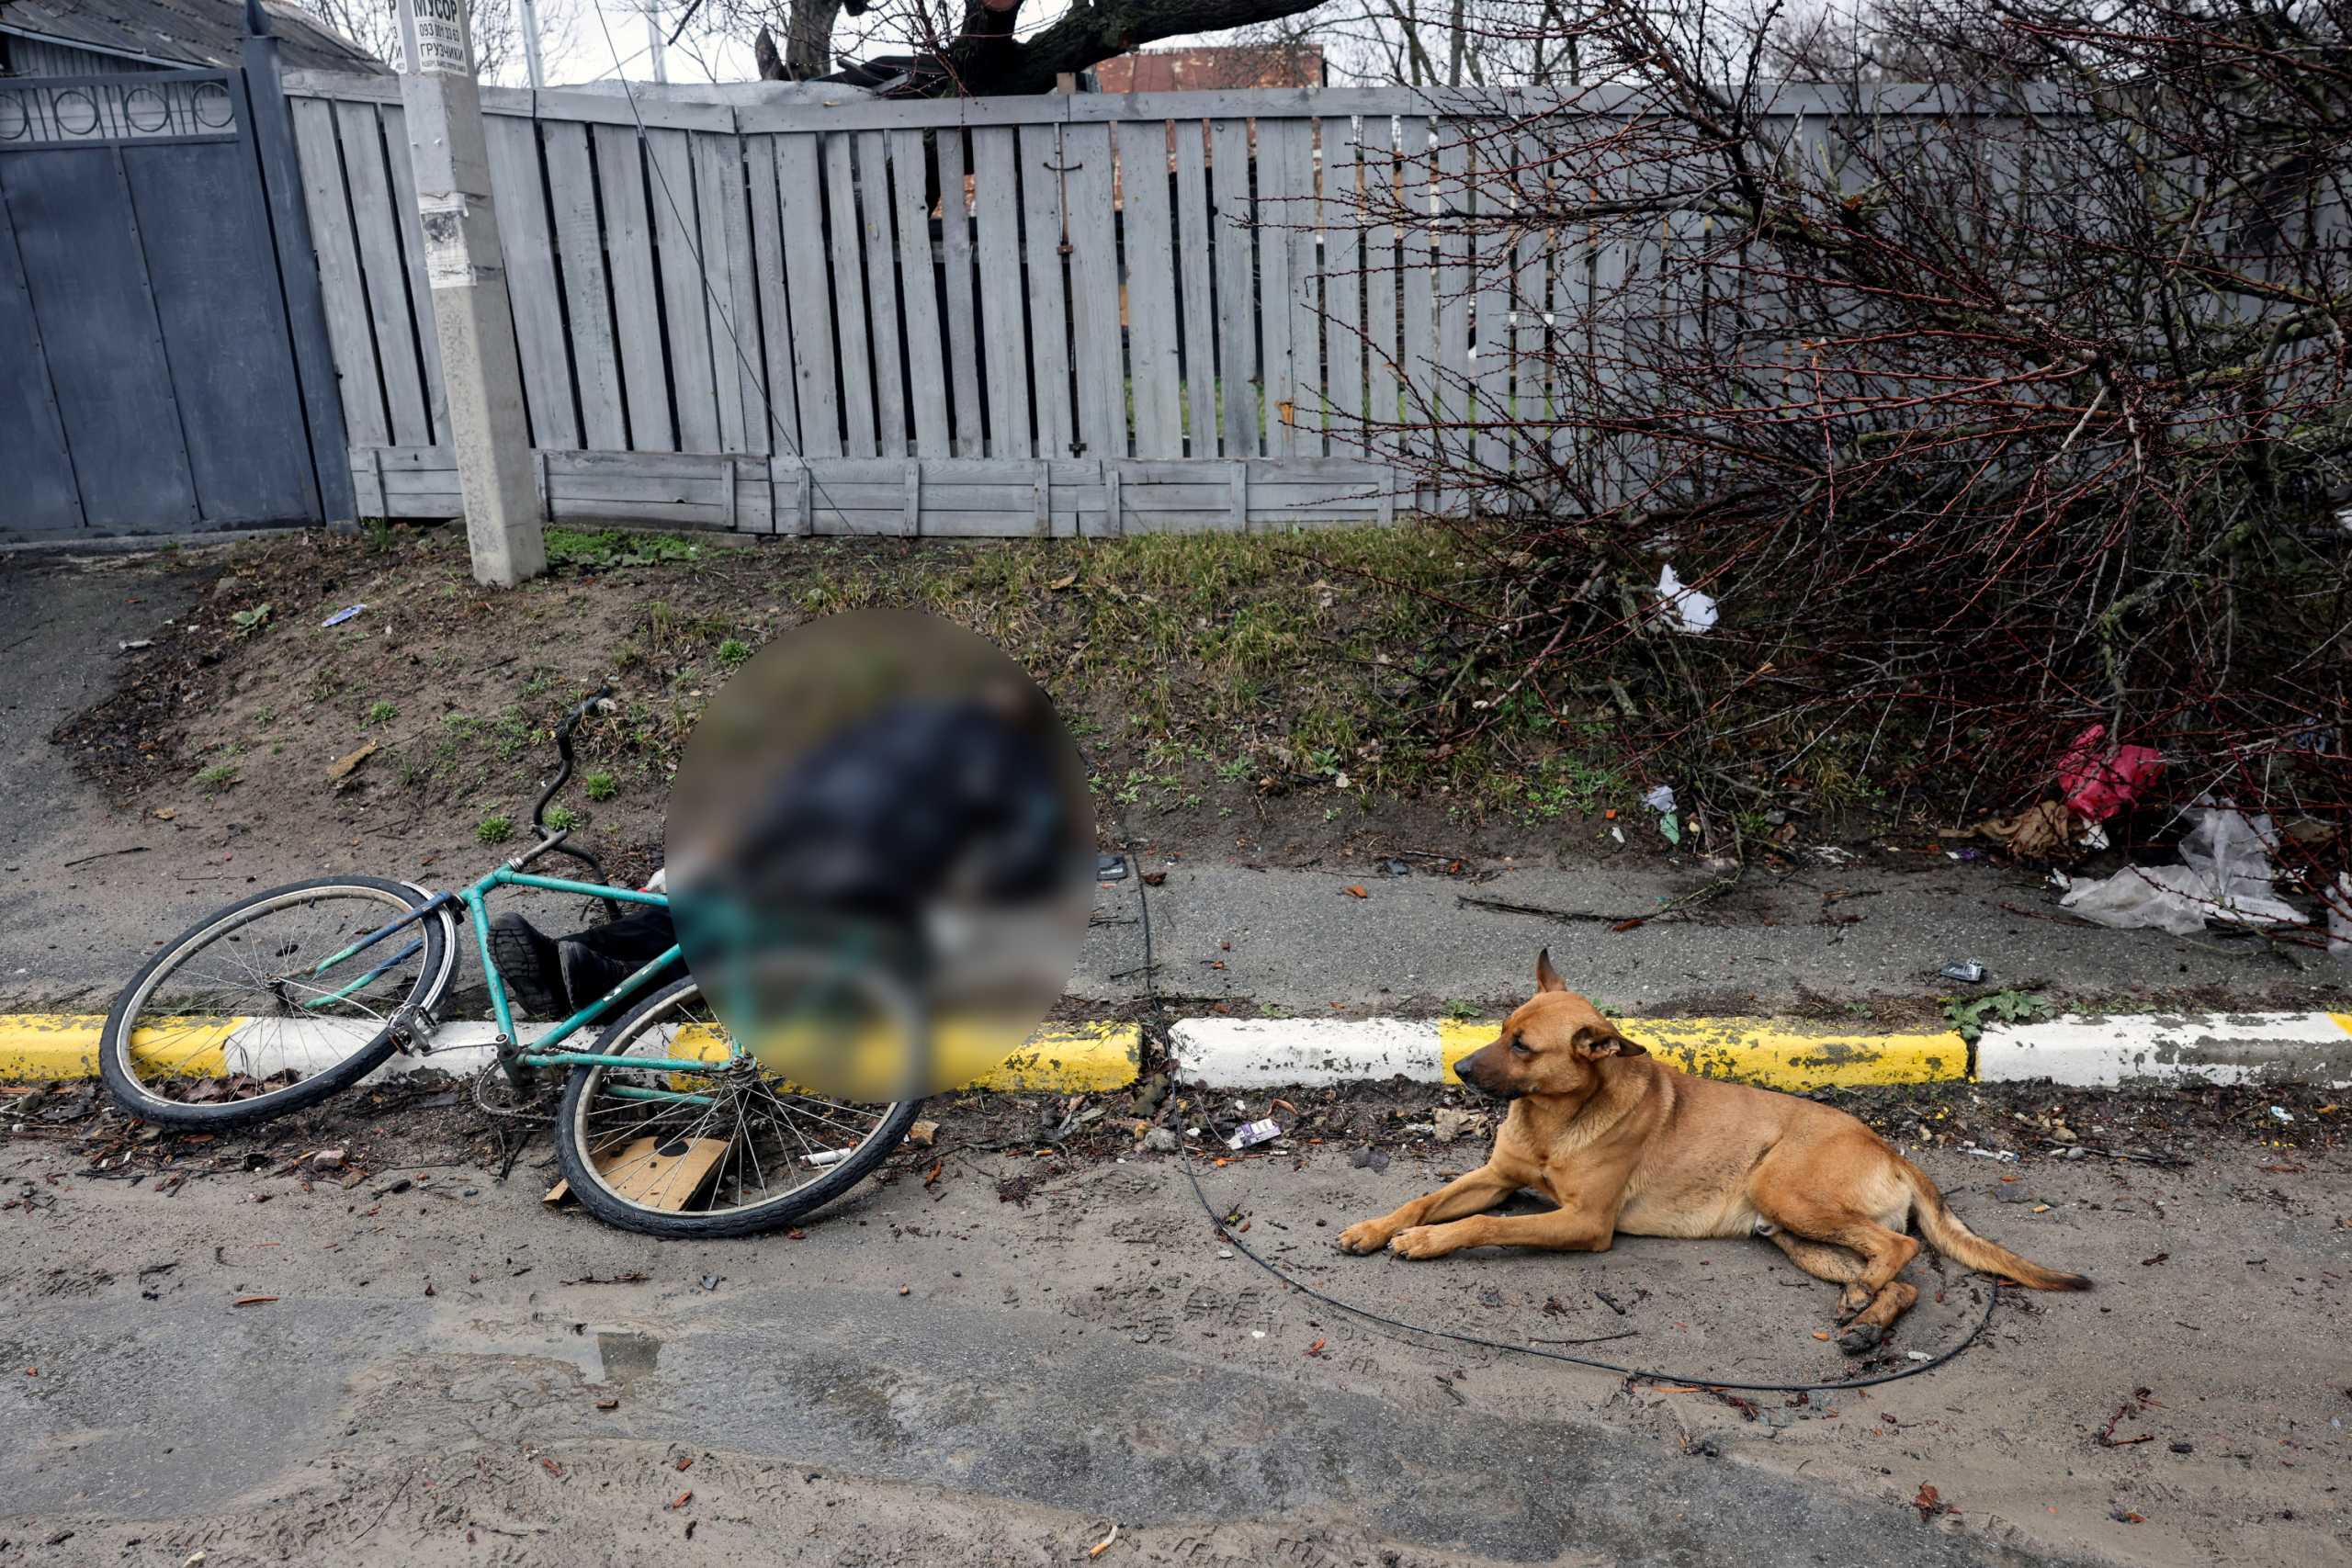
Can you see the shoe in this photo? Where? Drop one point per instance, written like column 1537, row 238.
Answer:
column 532, row 966
column 588, row 975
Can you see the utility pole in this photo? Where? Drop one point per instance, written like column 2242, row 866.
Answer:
column 471, row 315
column 653, row 39
column 531, row 61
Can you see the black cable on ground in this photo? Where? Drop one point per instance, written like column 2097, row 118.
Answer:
column 1184, row 1152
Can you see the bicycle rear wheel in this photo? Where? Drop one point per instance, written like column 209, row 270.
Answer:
column 727, row 1150
column 242, row 1017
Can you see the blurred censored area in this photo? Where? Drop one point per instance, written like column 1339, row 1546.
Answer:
column 880, row 855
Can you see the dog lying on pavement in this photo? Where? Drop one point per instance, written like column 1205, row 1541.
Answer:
column 1625, row 1144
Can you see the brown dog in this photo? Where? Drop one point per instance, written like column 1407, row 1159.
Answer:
column 1624, row 1143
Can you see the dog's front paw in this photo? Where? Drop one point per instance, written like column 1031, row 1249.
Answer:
column 1861, row 1339
column 1420, row 1241
column 1362, row 1237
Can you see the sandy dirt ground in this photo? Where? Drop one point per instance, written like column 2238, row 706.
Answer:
column 995, row 1357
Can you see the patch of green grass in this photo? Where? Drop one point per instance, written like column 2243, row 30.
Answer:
column 495, row 829
column 1460, row 1012
column 1969, row 1015
column 379, row 712
column 609, row 550
column 733, row 651
column 601, row 785
column 216, row 777
column 561, row 817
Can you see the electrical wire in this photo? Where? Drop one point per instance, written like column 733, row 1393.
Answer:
column 1217, row 1219
column 1151, row 987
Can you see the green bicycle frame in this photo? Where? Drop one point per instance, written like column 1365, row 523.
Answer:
column 541, row 1053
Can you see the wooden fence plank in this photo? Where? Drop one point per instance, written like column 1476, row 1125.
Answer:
column 637, row 301
column 1343, row 291
column 1416, row 288
column 1195, row 316
column 1102, row 411
column 685, row 303
column 410, row 228
column 872, row 161
column 1305, row 227
column 718, row 167
column 800, row 216
column 373, row 219
column 956, row 269
column 927, row 376
column 537, row 300
column 580, row 250
column 1277, row 213
column 1448, row 380
column 995, row 205
column 1378, row 156
column 1237, row 330
column 338, row 248
column 1042, row 239
column 1531, row 304
column 1491, row 256
column 1152, row 264
column 853, row 336
column 777, row 410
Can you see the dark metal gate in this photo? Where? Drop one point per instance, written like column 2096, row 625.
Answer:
column 164, row 364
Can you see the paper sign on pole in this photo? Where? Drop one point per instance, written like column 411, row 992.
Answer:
column 439, row 38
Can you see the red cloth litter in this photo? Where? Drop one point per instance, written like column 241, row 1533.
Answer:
column 2100, row 783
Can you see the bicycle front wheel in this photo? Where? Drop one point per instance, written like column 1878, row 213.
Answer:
column 258, row 1009
column 723, row 1150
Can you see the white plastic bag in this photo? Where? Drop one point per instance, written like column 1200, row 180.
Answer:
column 2224, row 875
column 1691, row 610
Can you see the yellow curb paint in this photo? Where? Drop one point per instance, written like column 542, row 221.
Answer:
column 2343, row 1021
column 1067, row 1059
column 1773, row 1053
column 49, row 1045
column 1072, row 1058
column 65, row 1045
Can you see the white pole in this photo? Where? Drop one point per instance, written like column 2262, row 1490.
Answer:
column 653, row 39
column 472, row 319
column 531, row 61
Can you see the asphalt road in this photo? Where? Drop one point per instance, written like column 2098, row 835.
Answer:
column 963, row 1371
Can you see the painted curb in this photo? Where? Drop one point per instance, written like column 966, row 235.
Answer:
column 2312, row 1048
column 1064, row 1058
column 1232, row 1053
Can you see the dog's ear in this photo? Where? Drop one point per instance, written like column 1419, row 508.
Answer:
column 1546, row 977
column 1602, row 1040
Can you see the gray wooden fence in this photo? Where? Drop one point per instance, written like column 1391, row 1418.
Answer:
column 1089, row 314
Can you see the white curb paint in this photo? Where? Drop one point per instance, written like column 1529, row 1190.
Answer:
column 2223, row 1048
column 462, row 1049
column 1271, row 1053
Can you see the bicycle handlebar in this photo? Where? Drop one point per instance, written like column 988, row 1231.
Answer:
column 551, row 842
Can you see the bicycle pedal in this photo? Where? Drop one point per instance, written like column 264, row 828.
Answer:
column 412, row 1030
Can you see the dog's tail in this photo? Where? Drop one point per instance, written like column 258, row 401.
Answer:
column 1954, row 1240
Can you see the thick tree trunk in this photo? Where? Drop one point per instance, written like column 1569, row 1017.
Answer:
column 987, row 58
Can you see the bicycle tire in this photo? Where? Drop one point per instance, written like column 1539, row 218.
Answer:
column 114, row 1043
column 587, row 1183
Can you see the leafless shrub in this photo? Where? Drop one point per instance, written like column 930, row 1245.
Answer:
column 1990, row 408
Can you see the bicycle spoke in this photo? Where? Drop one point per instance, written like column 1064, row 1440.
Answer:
column 241, row 1014
column 766, row 1129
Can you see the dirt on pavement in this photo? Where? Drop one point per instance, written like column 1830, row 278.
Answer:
column 1011, row 1346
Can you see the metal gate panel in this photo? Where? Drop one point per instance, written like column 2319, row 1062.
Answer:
column 152, row 382
column 225, row 332
column 70, row 210
column 41, row 494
